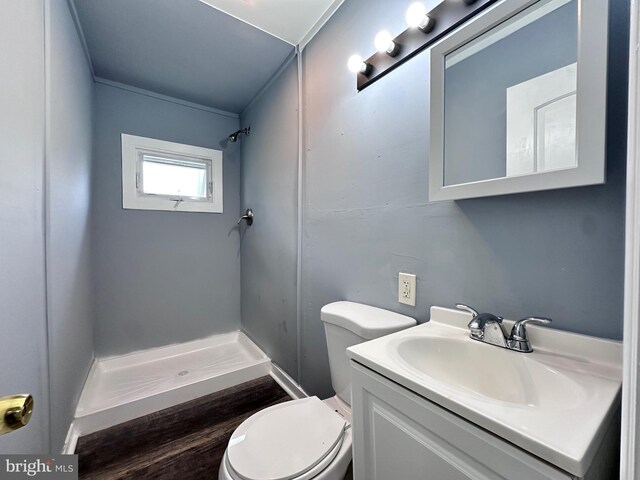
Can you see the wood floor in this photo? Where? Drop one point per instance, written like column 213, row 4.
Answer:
column 184, row 442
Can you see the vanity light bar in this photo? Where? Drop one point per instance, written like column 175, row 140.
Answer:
column 425, row 29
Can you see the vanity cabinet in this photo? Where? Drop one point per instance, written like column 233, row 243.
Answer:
column 401, row 435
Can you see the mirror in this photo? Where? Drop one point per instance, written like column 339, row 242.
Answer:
column 518, row 100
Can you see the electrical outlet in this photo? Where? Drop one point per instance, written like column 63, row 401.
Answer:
column 407, row 289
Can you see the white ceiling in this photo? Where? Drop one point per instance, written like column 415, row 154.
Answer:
column 294, row 21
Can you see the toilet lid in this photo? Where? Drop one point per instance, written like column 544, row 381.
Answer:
column 284, row 441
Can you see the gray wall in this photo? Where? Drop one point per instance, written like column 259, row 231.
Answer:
column 68, row 158
column 269, row 247
column 367, row 217
column 23, row 355
column 181, row 48
column 160, row 277
column 476, row 110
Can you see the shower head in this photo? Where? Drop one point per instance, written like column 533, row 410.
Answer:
column 233, row 138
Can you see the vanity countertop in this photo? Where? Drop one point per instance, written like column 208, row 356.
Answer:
column 555, row 402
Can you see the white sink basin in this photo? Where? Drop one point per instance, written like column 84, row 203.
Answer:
column 554, row 402
column 487, row 371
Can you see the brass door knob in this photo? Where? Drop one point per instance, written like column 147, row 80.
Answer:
column 15, row 412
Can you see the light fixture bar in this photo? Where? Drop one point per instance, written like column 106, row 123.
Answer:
column 447, row 16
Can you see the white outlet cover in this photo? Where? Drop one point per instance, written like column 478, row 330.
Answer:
column 407, row 289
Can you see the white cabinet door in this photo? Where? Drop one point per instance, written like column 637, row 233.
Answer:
column 400, row 435
column 401, row 449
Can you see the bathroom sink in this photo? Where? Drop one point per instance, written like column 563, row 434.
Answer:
column 487, row 371
column 552, row 402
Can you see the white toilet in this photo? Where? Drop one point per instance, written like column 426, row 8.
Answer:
column 310, row 438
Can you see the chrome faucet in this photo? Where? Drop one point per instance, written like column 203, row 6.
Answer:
column 487, row 328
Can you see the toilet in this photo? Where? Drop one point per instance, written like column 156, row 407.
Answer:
column 310, row 438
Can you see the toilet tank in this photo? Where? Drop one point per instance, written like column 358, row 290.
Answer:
column 347, row 324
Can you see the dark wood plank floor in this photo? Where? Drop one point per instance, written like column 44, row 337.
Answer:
column 183, row 442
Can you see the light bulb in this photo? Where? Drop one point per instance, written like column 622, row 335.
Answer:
column 384, row 42
column 417, row 17
column 357, row 65
column 415, row 14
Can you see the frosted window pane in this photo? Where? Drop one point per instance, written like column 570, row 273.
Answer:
column 169, row 178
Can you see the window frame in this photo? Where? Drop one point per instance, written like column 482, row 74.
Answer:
column 135, row 148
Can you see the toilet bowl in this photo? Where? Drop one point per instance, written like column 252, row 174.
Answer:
column 310, row 438
column 296, row 440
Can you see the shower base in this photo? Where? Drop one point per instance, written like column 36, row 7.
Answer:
column 119, row 389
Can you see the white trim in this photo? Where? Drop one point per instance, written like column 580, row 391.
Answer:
column 133, row 146
column 166, row 98
column 46, row 214
column 71, row 440
column 630, row 421
column 300, row 217
column 287, row 383
column 316, row 27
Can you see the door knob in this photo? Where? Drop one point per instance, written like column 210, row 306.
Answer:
column 15, row 412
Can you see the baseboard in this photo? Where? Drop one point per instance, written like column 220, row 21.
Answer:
column 287, row 383
column 71, row 440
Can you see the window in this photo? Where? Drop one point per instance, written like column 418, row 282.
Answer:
column 159, row 175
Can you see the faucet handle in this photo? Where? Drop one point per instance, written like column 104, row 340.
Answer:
column 519, row 332
column 474, row 324
column 519, row 340
column 467, row 308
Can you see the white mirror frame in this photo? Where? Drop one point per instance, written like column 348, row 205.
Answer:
column 591, row 105
column 630, row 431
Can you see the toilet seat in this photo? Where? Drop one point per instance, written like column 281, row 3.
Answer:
column 291, row 440
column 308, row 475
